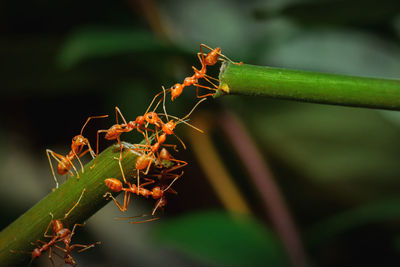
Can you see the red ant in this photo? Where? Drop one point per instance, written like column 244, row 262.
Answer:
column 157, row 192
column 168, row 127
column 117, row 129
column 65, row 162
column 210, row 59
column 145, row 160
column 61, row 234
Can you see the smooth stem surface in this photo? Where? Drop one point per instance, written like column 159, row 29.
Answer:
column 309, row 86
column 15, row 240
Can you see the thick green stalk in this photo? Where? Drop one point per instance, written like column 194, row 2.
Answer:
column 309, row 86
column 29, row 227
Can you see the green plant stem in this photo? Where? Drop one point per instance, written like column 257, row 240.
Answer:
column 309, row 86
column 15, row 240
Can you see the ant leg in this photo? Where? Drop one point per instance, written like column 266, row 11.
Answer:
column 148, row 166
column 122, row 170
column 202, row 53
column 76, row 204
column 154, row 98
column 92, row 117
column 97, row 147
column 176, row 167
column 75, row 225
column 57, row 157
column 206, row 87
column 48, row 226
column 117, row 111
column 97, row 141
column 207, row 78
column 48, row 152
column 173, row 181
column 201, row 57
column 149, row 181
column 158, row 204
column 138, row 181
column 85, row 247
column 180, row 140
column 121, row 208
column 148, row 220
column 80, row 162
column 174, row 147
column 144, row 134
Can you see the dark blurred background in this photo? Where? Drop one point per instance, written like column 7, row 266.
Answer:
column 337, row 168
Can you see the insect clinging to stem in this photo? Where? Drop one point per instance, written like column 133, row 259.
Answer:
column 156, row 192
column 60, row 234
column 205, row 60
column 77, row 145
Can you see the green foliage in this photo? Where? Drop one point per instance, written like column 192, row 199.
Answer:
column 377, row 212
column 222, row 239
column 96, row 42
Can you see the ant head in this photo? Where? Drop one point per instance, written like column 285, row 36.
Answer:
column 79, row 140
column 176, row 91
column 152, row 118
column 157, row 192
column 36, row 253
column 68, row 259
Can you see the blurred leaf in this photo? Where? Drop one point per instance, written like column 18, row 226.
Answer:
column 338, row 12
column 385, row 210
column 344, row 52
column 224, row 240
column 93, row 42
column 351, row 152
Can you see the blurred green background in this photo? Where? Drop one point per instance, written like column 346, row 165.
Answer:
column 337, row 168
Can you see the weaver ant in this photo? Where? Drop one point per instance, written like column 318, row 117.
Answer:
column 115, row 131
column 210, row 59
column 60, row 234
column 145, row 160
column 157, row 192
column 65, row 162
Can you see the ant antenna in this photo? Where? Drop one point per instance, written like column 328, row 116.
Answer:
column 195, row 106
column 165, row 111
column 176, row 178
column 185, row 122
column 180, row 140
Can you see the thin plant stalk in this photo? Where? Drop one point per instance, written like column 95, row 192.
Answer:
column 309, row 86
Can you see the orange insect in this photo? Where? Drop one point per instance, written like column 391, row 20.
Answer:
column 147, row 158
column 168, row 127
column 65, row 162
column 210, row 59
column 60, row 234
column 157, row 192
column 115, row 131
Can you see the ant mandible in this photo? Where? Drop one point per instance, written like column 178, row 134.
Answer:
column 65, row 162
